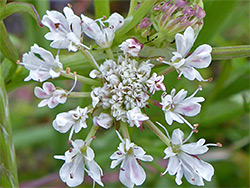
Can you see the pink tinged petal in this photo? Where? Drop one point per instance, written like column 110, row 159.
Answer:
column 103, row 120
column 115, row 20
column 173, row 164
column 196, row 148
column 176, row 117
column 43, row 103
column 40, row 93
column 63, row 122
column 188, row 109
column 177, row 137
column 188, row 72
column 39, row 76
column 49, row 88
column 138, row 175
column 52, row 103
column 201, row 57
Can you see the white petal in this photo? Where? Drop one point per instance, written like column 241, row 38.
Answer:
column 196, row 148
column 40, row 93
column 179, row 176
column 188, row 109
column 177, row 137
column 169, row 152
column 201, row 57
column 173, row 164
column 43, row 103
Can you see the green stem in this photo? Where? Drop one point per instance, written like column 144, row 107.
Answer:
column 230, row 52
column 124, row 129
column 110, row 53
column 8, row 167
column 102, row 8
column 90, row 58
column 157, row 131
column 133, row 4
column 82, row 79
column 166, row 71
column 79, row 94
column 92, row 132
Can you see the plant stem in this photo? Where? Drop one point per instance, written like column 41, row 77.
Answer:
column 82, row 79
column 230, row 52
column 157, row 131
column 166, row 71
column 92, row 132
column 79, row 94
column 102, row 8
column 124, row 129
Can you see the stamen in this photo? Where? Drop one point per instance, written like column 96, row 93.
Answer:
column 68, row 70
column 191, row 133
column 119, row 136
column 69, row 5
column 210, row 79
column 164, row 129
column 185, row 121
column 217, row 144
column 18, row 62
column 160, row 59
column 70, row 150
column 71, row 133
column 56, row 25
column 122, row 169
column 71, row 176
column 74, row 85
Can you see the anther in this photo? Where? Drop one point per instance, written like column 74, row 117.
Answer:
column 18, row 61
column 219, row 144
column 178, row 78
column 93, row 137
column 69, row 5
column 210, row 79
column 195, row 130
column 196, row 125
column 70, row 150
column 68, row 70
column 75, row 73
column 122, row 169
column 57, row 25
column 160, row 59
column 71, row 176
column 69, row 142
column 104, row 17
column 193, row 179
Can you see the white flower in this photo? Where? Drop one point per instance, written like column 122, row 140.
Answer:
column 78, row 159
column 41, row 64
column 135, row 117
column 155, row 83
column 64, row 31
column 74, row 118
column 200, row 58
column 183, row 160
column 131, row 47
column 102, row 34
column 103, row 120
column 131, row 171
column 176, row 106
column 50, row 95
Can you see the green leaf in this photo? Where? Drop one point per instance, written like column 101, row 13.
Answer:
column 8, row 170
column 102, row 8
column 3, row 3
column 17, row 7
column 6, row 46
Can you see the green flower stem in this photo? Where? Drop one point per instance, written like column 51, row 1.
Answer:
column 91, row 133
column 230, row 52
column 157, row 131
column 102, row 8
column 110, row 53
column 133, row 4
column 82, row 79
column 79, row 94
column 90, row 58
column 8, row 167
column 124, row 129
column 166, row 71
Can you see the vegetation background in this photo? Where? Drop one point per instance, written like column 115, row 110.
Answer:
column 224, row 117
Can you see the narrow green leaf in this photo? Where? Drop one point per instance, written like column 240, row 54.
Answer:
column 9, row 69
column 102, row 8
column 3, row 3
column 230, row 52
column 6, row 46
column 17, row 7
column 135, row 18
column 8, row 170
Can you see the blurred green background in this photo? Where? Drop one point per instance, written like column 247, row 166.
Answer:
column 224, row 117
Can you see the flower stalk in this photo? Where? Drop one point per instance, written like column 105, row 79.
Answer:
column 79, row 94
column 91, row 133
column 124, row 129
column 157, row 131
column 82, row 79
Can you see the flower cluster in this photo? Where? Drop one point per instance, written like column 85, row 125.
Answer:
column 122, row 87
